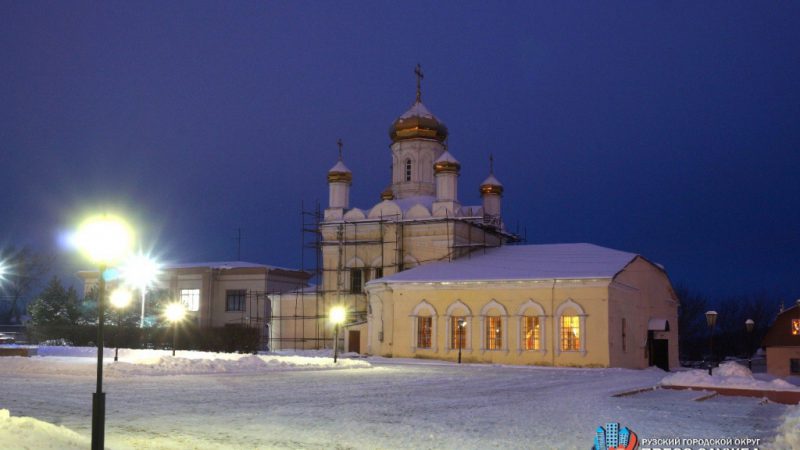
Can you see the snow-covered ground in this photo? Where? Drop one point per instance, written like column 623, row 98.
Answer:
column 208, row 400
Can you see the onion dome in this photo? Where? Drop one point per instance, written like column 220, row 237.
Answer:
column 417, row 122
column 491, row 186
column 387, row 193
column 446, row 164
column 340, row 173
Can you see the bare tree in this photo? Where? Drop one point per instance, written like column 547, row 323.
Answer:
column 24, row 271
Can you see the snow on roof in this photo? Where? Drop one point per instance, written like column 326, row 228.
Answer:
column 492, row 181
column 447, row 157
column 417, row 110
column 222, row 265
column 340, row 167
column 522, row 262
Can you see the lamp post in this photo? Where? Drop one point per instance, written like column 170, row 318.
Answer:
column 120, row 298
column 140, row 271
column 461, row 323
column 104, row 239
column 748, row 325
column 175, row 313
column 337, row 317
column 711, row 320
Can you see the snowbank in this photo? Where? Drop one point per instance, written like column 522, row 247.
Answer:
column 788, row 437
column 29, row 433
column 82, row 361
column 727, row 375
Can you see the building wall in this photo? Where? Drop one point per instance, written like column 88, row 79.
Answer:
column 639, row 293
column 396, row 306
column 778, row 360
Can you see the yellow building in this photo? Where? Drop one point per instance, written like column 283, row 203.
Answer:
column 559, row 304
column 399, row 267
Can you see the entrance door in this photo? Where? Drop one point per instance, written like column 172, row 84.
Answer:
column 660, row 355
column 354, row 341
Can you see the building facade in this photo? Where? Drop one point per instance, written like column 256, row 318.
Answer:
column 384, row 264
column 217, row 294
column 783, row 343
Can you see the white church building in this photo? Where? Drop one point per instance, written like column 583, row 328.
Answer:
column 424, row 275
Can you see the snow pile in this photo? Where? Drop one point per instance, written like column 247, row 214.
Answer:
column 29, row 433
column 728, row 375
column 81, row 361
column 175, row 365
column 788, row 437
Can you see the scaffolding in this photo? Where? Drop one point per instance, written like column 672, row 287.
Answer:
column 334, row 253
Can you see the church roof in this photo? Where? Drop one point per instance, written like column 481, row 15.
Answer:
column 522, row 262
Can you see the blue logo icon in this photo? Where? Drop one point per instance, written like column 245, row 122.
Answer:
column 612, row 437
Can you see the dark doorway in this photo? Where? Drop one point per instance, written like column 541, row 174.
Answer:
column 354, row 341
column 659, row 357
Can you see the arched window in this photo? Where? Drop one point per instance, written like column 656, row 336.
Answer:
column 494, row 324
column 571, row 323
column 408, row 169
column 531, row 327
column 423, row 327
column 458, row 336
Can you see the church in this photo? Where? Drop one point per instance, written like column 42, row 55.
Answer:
column 423, row 275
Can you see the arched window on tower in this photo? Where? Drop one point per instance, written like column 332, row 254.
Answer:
column 408, row 169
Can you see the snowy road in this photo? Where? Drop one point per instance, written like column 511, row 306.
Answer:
column 393, row 404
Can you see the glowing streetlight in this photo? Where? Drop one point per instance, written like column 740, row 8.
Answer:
column 337, row 316
column 711, row 320
column 140, row 272
column 175, row 313
column 104, row 240
column 120, row 299
column 461, row 323
column 748, row 325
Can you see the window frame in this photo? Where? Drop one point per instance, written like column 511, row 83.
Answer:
column 190, row 298
column 425, row 332
column 235, row 297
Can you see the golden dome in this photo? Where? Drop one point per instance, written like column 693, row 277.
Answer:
column 418, row 122
column 387, row 193
column 446, row 164
column 340, row 173
column 491, row 186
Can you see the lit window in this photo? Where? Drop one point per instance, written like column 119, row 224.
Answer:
column 191, row 299
column 458, row 334
column 570, row 333
column 795, row 327
column 494, row 333
column 408, row 170
column 234, row 300
column 532, row 333
column 356, row 281
column 424, row 331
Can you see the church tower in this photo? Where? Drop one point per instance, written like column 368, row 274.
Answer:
column 339, row 180
column 417, row 141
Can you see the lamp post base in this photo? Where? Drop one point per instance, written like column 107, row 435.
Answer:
column 98, row 420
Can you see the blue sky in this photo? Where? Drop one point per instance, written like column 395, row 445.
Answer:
column 663, row 128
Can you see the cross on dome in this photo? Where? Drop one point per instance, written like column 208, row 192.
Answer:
column 420, row 76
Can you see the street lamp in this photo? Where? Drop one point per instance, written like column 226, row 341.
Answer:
column 748, row 325
column 461, row 324
column 711, row 320
column 337, row 317
column 103, row 239
column 175, row 313
column 120, row 298
column 140, row 271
